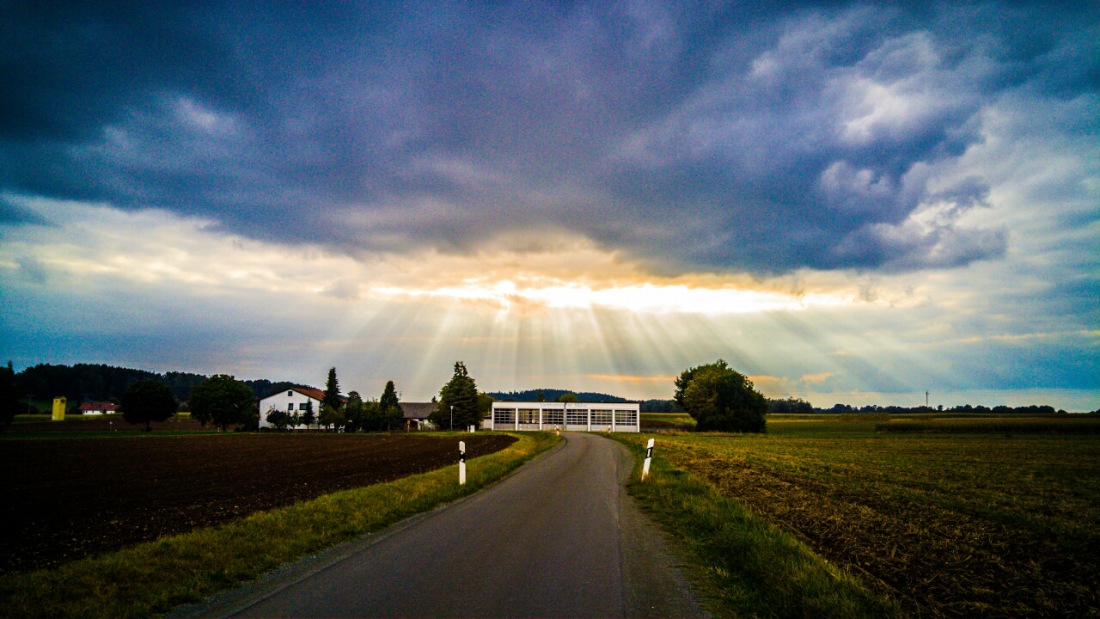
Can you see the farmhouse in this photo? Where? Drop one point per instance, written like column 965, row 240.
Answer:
column 417, row 413
column 293, row 400
column 97, row 408
column 623, row 417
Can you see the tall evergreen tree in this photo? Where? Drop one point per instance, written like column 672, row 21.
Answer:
column 458, row 403
column 332, row 390
column 332, row 408
column 390, row 408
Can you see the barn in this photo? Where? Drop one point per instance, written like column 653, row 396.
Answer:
column 579, row 416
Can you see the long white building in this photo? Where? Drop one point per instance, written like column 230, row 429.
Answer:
column 577, row 416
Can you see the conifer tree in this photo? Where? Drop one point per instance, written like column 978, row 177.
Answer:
column 332, row 408
column 461, row 394
column 390, row 408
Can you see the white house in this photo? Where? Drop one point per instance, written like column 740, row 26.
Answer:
column 293, row 400
column 581, row 416
column 98, row 408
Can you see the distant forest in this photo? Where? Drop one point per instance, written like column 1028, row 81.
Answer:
column 85, row 382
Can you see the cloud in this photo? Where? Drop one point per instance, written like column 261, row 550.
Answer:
column 616, row 189
column 698, row 137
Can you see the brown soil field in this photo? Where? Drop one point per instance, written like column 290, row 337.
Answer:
column 69, row 498
column 940, row 563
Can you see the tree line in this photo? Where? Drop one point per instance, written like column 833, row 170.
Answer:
column 85, row 382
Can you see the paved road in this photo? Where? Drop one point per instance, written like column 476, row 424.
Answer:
column 560, row 538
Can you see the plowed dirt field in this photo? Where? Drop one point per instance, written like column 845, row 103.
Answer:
column 65, row 499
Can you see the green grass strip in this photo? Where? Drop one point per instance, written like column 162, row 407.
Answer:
column 741, row 563
column 152, row 578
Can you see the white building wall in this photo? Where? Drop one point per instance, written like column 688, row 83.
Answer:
column 283, row 401
column 584, row 417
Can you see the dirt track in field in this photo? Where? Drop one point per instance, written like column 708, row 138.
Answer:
column 76, row 497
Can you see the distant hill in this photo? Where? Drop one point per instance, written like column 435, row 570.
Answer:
column 99, row 382
column 551, row 395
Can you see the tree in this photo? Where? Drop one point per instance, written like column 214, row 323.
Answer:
column 222, row 400
column 307, row 418
column 390, row 408
column 331, row 416
column 278, row 418
column 721, row 399
column 484, row 404
column 331, row 404
column 147, row 401
column 458, row 403
column 331, row 397
column 9, row 396
column 372, row 416
column 353, row 413
column 568, row 398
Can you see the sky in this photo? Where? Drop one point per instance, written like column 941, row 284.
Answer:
column 848, row 202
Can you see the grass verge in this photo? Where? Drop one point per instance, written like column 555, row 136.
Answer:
column 747, row 566
column 152, row 578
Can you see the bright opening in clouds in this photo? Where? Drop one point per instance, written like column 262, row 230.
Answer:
column 849, row 203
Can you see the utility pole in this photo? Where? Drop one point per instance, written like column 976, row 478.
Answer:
column 452, row 426
column 926, row 399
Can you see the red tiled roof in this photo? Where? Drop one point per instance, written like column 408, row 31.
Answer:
column 106, row 407
column 316, row 394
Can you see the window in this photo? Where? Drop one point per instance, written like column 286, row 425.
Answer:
column 290, row 394
column 576, row 416
column 504, row 415
column 626, row 418
column 528, row 415
column 290, row 407
column 601, row 417
column 303, row 406
column 553, row 416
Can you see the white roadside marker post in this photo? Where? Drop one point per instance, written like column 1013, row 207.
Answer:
column 648, row 456
column 461, row 463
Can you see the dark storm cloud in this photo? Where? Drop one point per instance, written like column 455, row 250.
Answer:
column 707, row 136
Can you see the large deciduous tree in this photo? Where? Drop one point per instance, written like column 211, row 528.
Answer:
column 147, row 401
column 461, row 394
column 223, row 401
column 721, row 399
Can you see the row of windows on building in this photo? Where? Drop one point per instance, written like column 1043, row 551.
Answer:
column 572, row 417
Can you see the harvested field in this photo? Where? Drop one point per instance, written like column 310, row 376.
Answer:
column 72, row 498
column 948, row 525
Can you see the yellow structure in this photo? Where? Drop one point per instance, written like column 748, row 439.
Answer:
column 59, row 409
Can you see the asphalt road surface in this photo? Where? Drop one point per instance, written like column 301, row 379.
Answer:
column 560, row 538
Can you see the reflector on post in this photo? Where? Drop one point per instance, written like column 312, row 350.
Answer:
column 648, row 457
column 461, row 463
